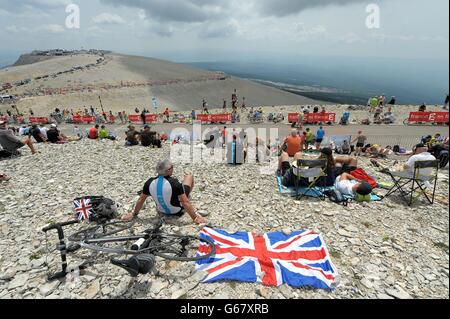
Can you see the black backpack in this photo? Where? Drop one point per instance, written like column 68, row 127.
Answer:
column 396, row 149
column 336, row 197
column 101, row 210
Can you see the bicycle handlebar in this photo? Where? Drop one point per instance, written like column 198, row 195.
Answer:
column 60, row 226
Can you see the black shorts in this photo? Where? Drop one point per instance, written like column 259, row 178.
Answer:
column 319, row 140
column 360, row 145
column 285, row 166
column 187, row 190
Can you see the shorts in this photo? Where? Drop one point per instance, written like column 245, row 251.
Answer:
column 319, row 140
column 187, row 191
column 360, row 145
column 285, row 166
column 132, row 143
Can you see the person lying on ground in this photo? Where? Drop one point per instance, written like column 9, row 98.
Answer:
column 171, row 196
column 351, row 186
column 421, row 153
column 11, row 143
column 376, row 151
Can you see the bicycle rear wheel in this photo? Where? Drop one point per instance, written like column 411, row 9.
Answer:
column 183, row 248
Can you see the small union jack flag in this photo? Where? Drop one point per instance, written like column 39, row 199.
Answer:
column 299, row 259
column 83, row 209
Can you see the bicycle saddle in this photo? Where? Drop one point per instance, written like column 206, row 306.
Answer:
column 140, row 264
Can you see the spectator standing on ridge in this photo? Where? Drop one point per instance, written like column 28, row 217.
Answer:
column 446, row 103
column 360, row 142
column 234, row 99
column 143, row 117
column 319, row 137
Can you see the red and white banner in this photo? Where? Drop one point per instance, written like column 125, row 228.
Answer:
column 149, row 118
column 38, row 120
column 214, row 118
column 313, row 117
column 84, row 119
column 429, row 117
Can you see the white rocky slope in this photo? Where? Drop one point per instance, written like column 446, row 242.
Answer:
column 381, row 250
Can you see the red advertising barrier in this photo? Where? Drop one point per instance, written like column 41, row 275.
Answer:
column 38, row 120
column 149, row 118
column 313, row 117
column 429, row 117
column 84, row 119
column 214, row 118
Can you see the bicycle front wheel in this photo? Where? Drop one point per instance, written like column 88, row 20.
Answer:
column 100, row 231
column 183, row 248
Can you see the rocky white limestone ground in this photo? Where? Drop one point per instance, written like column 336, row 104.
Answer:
column 381, row 250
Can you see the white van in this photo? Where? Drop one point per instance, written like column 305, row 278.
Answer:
column 6, row 98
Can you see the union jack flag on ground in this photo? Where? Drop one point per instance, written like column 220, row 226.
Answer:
column 83, row 209
column 299, row 259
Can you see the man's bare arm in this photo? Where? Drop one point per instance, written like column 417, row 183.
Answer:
column 184, row 200
column 140, row 203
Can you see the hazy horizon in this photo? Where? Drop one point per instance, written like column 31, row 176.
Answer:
column 326, row 40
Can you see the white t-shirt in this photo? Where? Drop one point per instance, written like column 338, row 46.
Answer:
column 345, row 186
column 421, row 157
column 43, row 131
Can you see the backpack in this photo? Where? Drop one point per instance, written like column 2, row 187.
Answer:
column 95, row 209
column 396, row 149
column 336, row 197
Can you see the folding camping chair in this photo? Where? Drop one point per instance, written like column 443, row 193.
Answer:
column 403, row 179
column 312, row 170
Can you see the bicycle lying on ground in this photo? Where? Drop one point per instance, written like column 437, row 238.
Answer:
column 103, row 238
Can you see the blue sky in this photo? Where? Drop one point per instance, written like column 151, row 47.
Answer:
column 218, row 29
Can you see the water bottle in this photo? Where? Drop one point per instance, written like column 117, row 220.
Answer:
column 137, row 245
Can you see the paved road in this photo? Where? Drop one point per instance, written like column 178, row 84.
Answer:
column 382, row 134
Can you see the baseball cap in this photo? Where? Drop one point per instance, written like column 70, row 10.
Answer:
column 53, row 125
column 146, row 127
